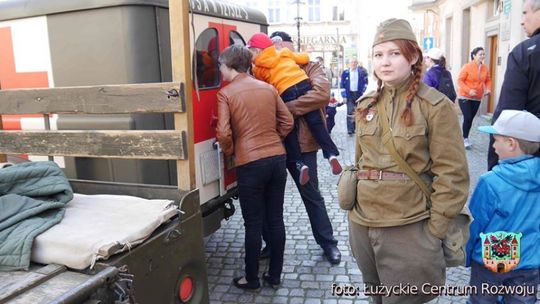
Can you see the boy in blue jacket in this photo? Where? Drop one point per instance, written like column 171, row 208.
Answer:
column 504, row 246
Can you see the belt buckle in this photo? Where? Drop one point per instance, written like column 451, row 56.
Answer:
column 378, row 177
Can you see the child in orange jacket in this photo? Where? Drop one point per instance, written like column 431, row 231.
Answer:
column 280, row 69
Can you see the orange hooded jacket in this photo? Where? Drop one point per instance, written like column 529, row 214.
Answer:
column 280, row 68
column 473, row 77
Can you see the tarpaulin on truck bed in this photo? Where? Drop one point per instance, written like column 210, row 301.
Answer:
column 95, row 227
column 32, row 197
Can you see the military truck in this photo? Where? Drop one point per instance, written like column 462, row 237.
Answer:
column 121, row 94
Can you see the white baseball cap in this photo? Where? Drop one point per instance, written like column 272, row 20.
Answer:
column 517, row 124
column 435, row 53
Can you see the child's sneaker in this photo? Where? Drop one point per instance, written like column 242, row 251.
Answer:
column 334, row 163
column 303, row 178
column 467, row 144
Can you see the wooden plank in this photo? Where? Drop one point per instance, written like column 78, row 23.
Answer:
column 181, row 73
column 14, row 283
column 52, row 288
column 163, row 144
column 105, row 99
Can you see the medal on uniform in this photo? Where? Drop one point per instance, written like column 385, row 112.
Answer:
column 370, row 115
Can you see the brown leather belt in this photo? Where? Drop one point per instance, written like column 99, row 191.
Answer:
column 381, row 175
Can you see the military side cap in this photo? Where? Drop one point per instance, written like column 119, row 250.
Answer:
column 393, row 29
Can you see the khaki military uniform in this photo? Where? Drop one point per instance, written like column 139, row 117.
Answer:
column 394, row 235
column 432, row 146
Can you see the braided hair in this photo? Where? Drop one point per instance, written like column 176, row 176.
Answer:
column 410, row 51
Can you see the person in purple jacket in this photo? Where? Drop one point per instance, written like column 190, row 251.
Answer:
column 437, row 76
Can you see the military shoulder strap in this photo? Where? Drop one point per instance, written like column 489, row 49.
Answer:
column 388, row 142
column 430, row 94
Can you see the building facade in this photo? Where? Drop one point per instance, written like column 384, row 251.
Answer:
column 458, row 26
column 335, row 30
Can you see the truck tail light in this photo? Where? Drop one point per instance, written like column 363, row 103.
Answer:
column 185, row 290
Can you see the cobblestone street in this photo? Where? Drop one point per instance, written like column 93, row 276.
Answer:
column 307, row 275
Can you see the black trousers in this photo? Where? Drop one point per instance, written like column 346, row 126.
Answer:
column 314, row 203
column 261, row 190
column 469, row 108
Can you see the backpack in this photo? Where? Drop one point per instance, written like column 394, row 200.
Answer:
column 446, row 85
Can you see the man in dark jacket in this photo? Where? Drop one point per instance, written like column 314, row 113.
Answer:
column 521, row 86
column 354, row 81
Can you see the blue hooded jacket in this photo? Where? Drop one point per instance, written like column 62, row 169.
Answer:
column 508, row 199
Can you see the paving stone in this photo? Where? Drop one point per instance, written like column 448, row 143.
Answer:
column 267, row 292
column 282, row 292
column 321, row 269
column 303, row 270
column 221, row 288
column 216, row 295
column 297, row 293
column 246, row 298
column 296, row 301
column 290, row 284
column 324, row 278
column 291, row 276
column 342, row 279
column 307, row 277
column 308, row 284
column 315, row 293
column 278, row 300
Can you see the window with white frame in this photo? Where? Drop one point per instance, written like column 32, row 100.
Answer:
column 314, row 10
column 338, row 13
column 274, row 11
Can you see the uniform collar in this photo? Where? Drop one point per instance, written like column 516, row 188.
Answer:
column 399, row 88
column 536, row 32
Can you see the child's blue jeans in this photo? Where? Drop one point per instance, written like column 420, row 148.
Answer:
column 315, row 124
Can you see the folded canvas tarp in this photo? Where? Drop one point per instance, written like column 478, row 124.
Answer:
column 32, row 197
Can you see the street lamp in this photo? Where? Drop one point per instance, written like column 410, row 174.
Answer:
column 297, row 18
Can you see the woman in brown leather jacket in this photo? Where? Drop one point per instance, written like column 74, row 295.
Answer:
column 252, row 123
column 395, row 230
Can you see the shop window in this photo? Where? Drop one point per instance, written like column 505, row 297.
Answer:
column 207, row 51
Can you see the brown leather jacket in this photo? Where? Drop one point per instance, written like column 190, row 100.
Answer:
column 315, row 99
column 252, row 120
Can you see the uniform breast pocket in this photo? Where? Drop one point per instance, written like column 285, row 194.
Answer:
column 366, row 129
column 415, row 134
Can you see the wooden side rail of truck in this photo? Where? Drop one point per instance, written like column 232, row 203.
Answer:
column 169, row 267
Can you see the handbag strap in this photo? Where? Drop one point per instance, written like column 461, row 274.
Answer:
column 388, row 142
